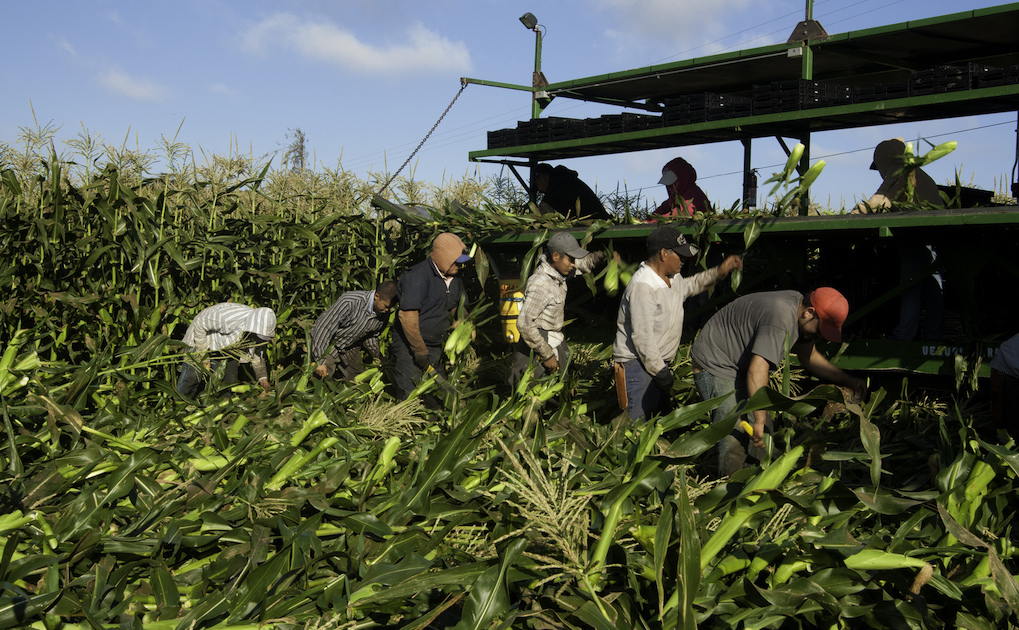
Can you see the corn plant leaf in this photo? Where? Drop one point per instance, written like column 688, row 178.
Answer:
column 367, row 523
column 870, row 436
column 961, row 534
column 489, row 597
column 10, row 545
column 879, row 560
column 450, row 454
column 19, row 612
column 121, row 480
column 663, row 536
column 694, row 443
column 530, row 258
column 689, row 570
column 1006, row 455
column 425, row 582
column 751, row 232
column 256, row 586
column 687, row 414
column 772, row 400
column 1004, row 581
column 884, row 502
column 165, row 590
column 482, row 266
column 210, row 608
column 593, row 617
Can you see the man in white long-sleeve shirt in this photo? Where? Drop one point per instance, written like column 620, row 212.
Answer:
column 649, row 325
column 222, row 329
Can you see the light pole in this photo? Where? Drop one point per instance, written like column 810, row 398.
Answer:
column 537, row 79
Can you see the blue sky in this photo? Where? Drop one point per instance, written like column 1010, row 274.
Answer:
column 366, row 80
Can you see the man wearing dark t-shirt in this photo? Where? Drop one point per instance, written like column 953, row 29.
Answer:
column 428, row 292
column 743, row 342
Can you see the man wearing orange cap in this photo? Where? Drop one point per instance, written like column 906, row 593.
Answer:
column 428, row 293
column 740, row 345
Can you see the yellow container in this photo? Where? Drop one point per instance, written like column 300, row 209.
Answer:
column 509, row 308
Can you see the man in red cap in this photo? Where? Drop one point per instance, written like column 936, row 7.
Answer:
column 743, row 342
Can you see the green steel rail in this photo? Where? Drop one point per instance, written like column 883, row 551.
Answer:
column 989, row 100
column 879, row 224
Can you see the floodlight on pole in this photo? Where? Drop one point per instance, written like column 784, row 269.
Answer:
column 539, row 99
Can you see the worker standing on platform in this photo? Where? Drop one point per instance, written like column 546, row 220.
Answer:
column 915, row 255
column 684, row 196
column 564, row 192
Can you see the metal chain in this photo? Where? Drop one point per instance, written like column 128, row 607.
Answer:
column 463, row 86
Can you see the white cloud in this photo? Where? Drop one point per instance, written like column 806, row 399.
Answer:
column 220, row 88
column 692, row 28
column 419, row 50
column 137, row 89
column 67, row 47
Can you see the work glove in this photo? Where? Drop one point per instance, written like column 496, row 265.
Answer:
column 421, row 361
column 664, row 379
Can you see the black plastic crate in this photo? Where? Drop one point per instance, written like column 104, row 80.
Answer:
column 566, row 129
column 681, row 117
column 613, row 123
column 533, row 131
column 795, row 94
column 693, row 108
column 992, row 76
column 595, row 127
column 730, row 107
column 683, row 110
column 640, row 122
column 539, row 130
column 502, row 138
column 881, row 92
column 941, row 79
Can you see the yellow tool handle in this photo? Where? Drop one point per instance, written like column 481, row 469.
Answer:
column 746, row 426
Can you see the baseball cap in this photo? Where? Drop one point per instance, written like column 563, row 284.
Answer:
column 832, row 309
column 668, row 177
column 668, row 237
column 565, row 243
column 887, row 152
column 448, row 249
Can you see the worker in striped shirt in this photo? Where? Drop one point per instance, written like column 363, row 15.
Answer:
column 235, row 332
column 353, row 322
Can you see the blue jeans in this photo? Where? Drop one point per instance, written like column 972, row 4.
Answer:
column 643, row 397
column 733, row 448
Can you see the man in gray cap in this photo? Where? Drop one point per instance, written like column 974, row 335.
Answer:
column 649, row 325
column 541, row 316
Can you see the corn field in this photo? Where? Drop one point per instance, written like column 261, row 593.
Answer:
column 332, row 505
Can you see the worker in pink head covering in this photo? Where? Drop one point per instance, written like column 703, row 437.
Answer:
column 684, row 195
